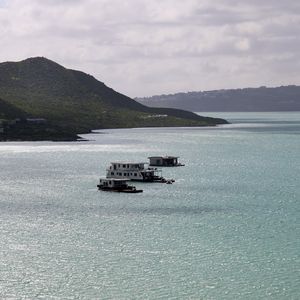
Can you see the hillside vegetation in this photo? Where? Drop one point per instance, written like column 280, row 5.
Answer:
column 73, row 102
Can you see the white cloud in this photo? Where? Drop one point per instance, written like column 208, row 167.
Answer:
column 141, row 47
column 243, row 44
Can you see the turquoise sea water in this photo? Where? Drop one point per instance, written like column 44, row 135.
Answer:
column 228, row 228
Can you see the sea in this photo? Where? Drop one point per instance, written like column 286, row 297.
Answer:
column 227, row 228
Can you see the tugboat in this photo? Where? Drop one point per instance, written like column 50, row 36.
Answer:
column 116, row 185
column 135, row 172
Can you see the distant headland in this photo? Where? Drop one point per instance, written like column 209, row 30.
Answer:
column 283, row 98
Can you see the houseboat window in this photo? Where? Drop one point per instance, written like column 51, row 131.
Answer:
column 112, row 173
column 135, row 174
column 124, row 166
column 115, row 167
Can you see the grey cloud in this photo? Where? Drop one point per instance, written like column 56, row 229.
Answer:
column 144, row 47
column 214, row 16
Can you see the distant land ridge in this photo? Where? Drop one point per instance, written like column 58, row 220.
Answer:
column 40, row 99
column 283, row 98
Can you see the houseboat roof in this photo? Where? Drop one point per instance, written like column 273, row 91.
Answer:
column 129, row 163
column 164, row 157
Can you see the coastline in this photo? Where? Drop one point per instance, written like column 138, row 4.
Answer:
column 76, row 137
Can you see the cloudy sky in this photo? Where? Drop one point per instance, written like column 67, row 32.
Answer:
column 147, row 47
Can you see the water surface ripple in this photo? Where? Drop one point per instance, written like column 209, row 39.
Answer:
column 228, row 228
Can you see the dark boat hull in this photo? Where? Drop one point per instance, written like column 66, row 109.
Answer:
column 168, row 166
column 151, row 179
column 132, row 190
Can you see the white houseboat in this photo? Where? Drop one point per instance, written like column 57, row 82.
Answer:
column 116, row 185
column 164, row 161
column 134, row 171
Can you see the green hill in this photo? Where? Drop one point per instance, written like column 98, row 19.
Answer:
column 74, row 102
column 8, row 111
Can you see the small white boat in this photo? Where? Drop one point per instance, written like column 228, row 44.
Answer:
column 116, row 185
column 165, row 161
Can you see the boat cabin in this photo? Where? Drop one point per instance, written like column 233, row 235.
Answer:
column 127, row 166
column 117, row 185
column 133, row 171
column 164, row 161
column 113, row 182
